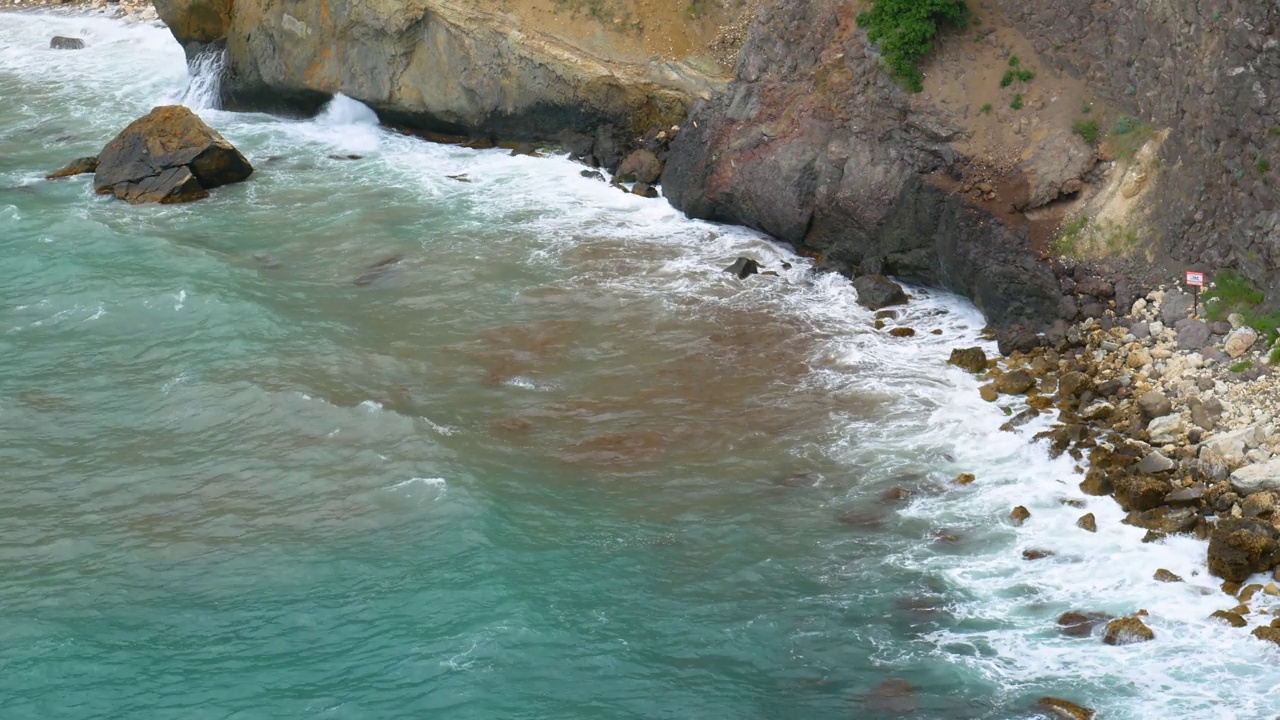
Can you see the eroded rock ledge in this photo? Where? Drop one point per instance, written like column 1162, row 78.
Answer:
column 444, row 66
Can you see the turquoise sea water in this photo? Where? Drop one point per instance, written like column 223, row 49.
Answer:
column 548, row 463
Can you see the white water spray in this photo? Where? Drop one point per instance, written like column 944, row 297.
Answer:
column 203, row 89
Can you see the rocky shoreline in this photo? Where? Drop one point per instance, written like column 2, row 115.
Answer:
column 1175, row 418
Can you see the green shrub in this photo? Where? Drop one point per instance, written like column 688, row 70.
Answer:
column 1087, row 129
column 1231, row 292
column 904, row 30
column 986, row 108
column 1025, row 75
column 1125, row 125
column 1085, row 108
column 1013, row 61
column 1241, row 366
column 1016, row 102
column 1128, row 136
column 1007, row 79
column 1262, row 166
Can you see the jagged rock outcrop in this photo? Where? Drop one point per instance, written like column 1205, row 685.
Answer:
column 439, row 65
column 167, row 156
column 814, row 145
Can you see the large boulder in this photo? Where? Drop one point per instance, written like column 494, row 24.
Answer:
column 1053, row 168
column 168, row 156
column 57, row 42
column 878, row 291
column 1257, row 478
column 641, row 166
column 972, row 359
column 1239, row 548
column 1127, row 630
column 196, row 21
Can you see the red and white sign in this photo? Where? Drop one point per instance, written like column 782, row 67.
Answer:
column 1195, row 279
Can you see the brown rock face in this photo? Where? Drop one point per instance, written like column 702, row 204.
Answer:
column 200, row 21
column 79, row 166
column 972, row 359
column 168, row 156
column 1239, row 548
column 1126, row 630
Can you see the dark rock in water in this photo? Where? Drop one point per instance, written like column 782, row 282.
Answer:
column 1239, row 548
column 801, row 480
column 57, row 42
column 1087, row 522
column 878, row 291
column 461, row 177
column 79, row 166
column 644, row 190
column 1079, row 624
column 354, row 157
column 524, row 148
column 1064, row 709
column 1036, row 554
column 972, row 359
column 640, row 166
column 742, row 267
column 896, row 495
column 1127, row 630
column 168, row 156
column 1015, row 382
column 902, row 332
column 891, row 697
column 378, row 271
column 1165, row 576
column 592, row 175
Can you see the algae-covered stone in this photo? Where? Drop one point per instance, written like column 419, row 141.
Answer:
column 1239, row 548
column 972, row 359
column 1019, row 515
column 1127, row 630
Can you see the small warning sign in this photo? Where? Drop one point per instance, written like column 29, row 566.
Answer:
column 1195, row 279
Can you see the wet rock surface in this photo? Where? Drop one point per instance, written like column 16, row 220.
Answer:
column 168, row 156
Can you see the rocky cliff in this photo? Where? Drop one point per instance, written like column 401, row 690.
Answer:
column 458, row 67
column 966, row 185
column 1120, row 137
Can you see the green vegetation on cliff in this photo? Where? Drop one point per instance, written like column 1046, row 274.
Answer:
column 904, row 30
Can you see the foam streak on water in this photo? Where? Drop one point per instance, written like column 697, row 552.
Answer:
column 227, row 427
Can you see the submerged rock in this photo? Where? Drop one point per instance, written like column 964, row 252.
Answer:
column 1079, row 624
column 168, row 156
column 79, row 166
column 1064, row 709
column 57, row 42
column 891, row 697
